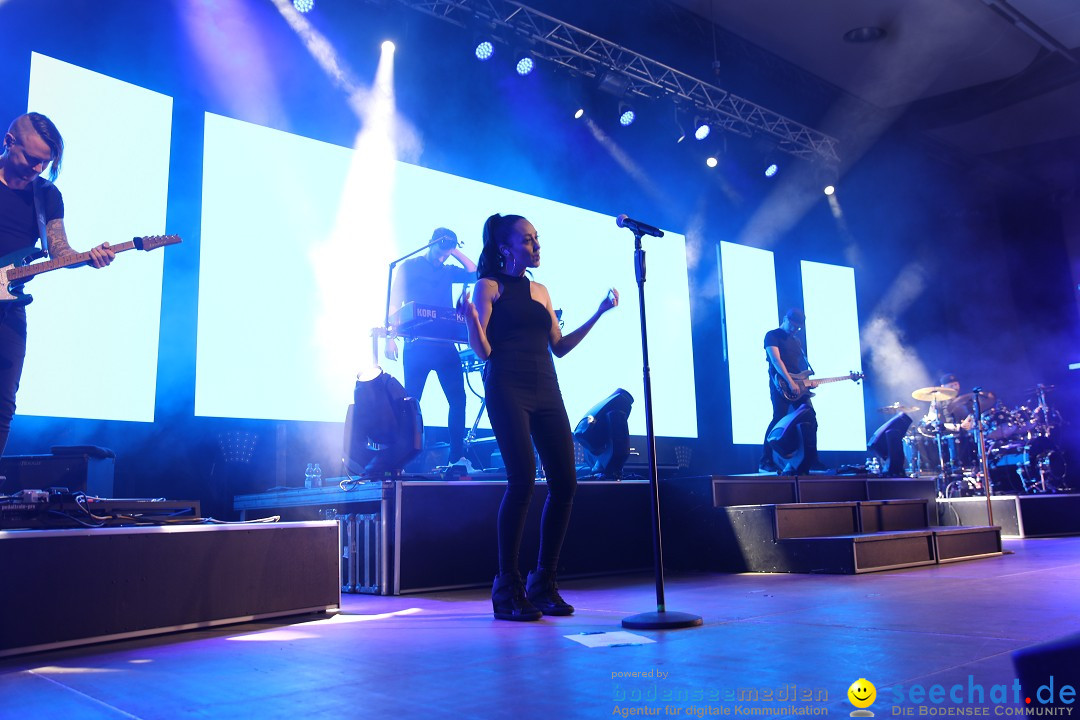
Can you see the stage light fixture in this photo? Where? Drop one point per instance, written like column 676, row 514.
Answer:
column 712, row 161
column 626, row 114
column 829, row 189
column 604, row 435
column 682, row 122
column 485, row 49
column 789, row 440
column 888, row 444
column 771, row 169
column 303, row 6
column 525, row 65
column 701, row 128
column 579, row 113
column 384, row 429
column 389, row 46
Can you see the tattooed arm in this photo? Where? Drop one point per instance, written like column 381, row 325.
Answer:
column 57, row 242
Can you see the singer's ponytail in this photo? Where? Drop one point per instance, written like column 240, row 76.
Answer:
column 497, row 230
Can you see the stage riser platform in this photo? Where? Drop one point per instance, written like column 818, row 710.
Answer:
column 838, row 535
column 774, row 490
column 830, row 538
column 1018, row 515
column 75, row 587
column 414, row 536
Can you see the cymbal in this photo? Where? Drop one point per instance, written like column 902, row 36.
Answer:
column 934, row 394
column 966, row 403
column 896, row 407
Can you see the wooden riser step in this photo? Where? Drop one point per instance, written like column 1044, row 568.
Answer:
column 874, row 552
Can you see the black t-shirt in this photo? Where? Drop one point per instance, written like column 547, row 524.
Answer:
column 420, row 280
column 18, row 223
column 791, row 351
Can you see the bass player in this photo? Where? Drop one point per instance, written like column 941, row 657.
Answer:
column 785, row 355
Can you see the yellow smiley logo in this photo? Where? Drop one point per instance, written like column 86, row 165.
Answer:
column 862, row 693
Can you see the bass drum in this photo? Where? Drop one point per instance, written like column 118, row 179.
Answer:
column 1043, row 467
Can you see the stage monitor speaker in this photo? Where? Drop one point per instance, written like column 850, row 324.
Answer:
column 887, row 443
column 87, row 472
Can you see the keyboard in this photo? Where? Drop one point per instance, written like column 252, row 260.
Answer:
column 416, row 320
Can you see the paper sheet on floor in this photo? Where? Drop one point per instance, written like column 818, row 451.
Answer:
column 618, row 638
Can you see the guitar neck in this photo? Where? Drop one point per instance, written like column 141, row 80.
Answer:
column 823, row 381
column 82, row 258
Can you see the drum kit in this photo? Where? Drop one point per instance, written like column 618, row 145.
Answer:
column 1020, row 443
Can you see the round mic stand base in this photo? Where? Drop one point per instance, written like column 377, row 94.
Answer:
column 661, row 620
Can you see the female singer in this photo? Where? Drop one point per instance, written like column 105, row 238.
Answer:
column 513, row 327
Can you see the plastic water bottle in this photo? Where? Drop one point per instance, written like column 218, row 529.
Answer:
column 316, row 476
column 309, row 476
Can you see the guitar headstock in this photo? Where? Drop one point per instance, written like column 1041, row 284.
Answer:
column 152, row 242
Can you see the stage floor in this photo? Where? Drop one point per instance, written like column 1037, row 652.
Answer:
column 441, row 655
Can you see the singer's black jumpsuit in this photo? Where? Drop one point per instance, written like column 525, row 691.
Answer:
column 523, row 400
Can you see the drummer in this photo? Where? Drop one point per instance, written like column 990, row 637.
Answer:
column 949, row 414
column 957, row 421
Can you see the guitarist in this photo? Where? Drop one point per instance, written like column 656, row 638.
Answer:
column 785, row 356
column 31, row 209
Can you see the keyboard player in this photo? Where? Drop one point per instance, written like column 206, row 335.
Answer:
column 428, row 279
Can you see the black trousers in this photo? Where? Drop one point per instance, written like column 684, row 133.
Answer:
column 421, row 357
column 12, row 355
column 525, row 407
column 781, row 406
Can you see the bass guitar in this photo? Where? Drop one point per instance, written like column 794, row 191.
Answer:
column 804, row 384
column 13, row 275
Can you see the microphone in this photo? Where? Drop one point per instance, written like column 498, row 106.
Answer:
column 638, row 227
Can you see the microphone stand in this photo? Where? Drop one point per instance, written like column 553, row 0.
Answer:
column 384, row 331
column 981, row 436
column 662, row 619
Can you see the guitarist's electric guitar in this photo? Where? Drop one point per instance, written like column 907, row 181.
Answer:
column 804, row 384
column 13, row 276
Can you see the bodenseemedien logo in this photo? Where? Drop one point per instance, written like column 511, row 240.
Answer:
column 862, row 694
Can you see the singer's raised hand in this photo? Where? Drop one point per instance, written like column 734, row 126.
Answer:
column 467, row 308
column 611, row 300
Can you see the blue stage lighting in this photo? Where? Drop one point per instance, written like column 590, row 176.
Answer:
column 702, row 130
column 484, row 50
column 626, row 115
column 711, row 161
column 303, row 6
column 771, row 170
column 525, row 66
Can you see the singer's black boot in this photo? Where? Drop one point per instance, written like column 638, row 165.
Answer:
column 543, row 592
column 508, row 599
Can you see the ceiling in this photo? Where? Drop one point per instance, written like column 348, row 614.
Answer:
column 994, row 79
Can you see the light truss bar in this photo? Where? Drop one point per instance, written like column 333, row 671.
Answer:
column 591, row 56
